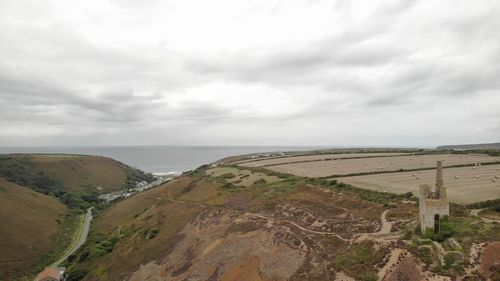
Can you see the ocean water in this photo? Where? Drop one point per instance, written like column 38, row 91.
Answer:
column 159, row 159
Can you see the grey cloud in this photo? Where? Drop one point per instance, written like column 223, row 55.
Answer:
column 297, row 65
column 396, row 7
column 401, row 60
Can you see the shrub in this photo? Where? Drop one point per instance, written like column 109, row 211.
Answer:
column 425, row 255
column 84, row 255
column 497, row 207
column 229, row 185
column 76, row 275
column 452, row 258
column 445, row 231
column 151, row 233
column 227, row 176
column 260, row 182
column 371, row 276
column 358, row 260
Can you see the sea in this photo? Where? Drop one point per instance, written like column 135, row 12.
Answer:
column 162, row 158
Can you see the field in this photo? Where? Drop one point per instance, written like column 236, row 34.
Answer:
column 345, row 167
column 309, row 158
column 462, row 185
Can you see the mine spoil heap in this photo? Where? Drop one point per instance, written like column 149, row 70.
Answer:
column 433, row 203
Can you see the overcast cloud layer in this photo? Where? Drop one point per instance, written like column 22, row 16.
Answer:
column 230, row 72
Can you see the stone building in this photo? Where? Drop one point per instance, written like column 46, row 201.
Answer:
column 433, row 203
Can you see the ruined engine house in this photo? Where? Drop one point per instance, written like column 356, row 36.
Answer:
column 433, row 203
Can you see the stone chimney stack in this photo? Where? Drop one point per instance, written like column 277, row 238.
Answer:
column 439, row 178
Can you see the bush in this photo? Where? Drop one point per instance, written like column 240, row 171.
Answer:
column 445, row 231
column 151, row 233
column 108, row 244
column 229, row 185
column 371, row 276
column 227, row 176
column 452, row 258
column 425, row 255
column 260, row 182
column 84, row 255
column 76, row 275
column 136, row 175
column 497, row 208
column 358, row 260
column 74, row 201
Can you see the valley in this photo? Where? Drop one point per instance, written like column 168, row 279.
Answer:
column 235, row 221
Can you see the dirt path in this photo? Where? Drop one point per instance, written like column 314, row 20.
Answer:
column 384, row 234
column 475, row 213
column 303, row 228
column 386, row 225
column 389, row 266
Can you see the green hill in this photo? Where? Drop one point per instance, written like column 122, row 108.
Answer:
column 41, row 197
column 73, row 173
column 34, row 228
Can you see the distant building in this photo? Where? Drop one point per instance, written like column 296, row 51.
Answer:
column 51, row 274
column 433, row 203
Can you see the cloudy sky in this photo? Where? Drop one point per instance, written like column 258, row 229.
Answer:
column 261, row 72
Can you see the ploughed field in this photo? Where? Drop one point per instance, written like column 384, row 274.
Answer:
column 370, row 164
column 464, row 184
column 310, row 158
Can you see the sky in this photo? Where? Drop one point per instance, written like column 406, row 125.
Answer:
column 263, row 72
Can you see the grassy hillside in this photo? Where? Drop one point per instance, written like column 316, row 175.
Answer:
column 73, row 173
column 34, row 228
column 40, row 198
column 202, row 209
column 133, row 226
column 232, row 223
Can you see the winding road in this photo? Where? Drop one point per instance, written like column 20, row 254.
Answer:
column 81, row 237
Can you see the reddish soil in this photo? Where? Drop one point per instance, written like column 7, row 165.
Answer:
column 406, row 270
column 490, row 261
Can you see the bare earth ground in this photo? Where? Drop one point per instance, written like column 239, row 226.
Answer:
column 377, row 164
column 215, row 247
column 490, row 260
column 323, row 157
column 462, row 185
column 283, row 230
